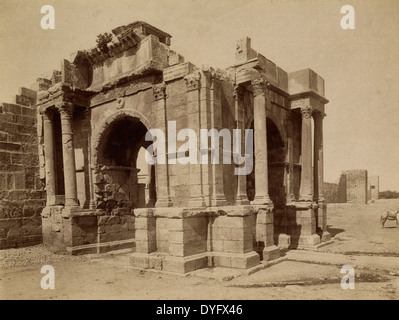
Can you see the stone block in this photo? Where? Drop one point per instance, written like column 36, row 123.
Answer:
column 233, row 246
column 222, row 261
column 271, row 253
column 155, row 262
column 8, row 146
column 28, row 112
column 175, row 224
column 245, row 261
column 139, row 260
column 309, row 240
column 22, row 91
column 176, row 249
column 284, row 241
column 11, row 210
column 11, row 108
column 176, row 237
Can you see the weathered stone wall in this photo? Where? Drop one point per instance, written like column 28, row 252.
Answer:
column 374, row 187
column 22, row 196
column 331, row 192
column 353, row 187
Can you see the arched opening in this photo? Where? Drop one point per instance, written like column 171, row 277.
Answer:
column 123, row 175
column 276, row 167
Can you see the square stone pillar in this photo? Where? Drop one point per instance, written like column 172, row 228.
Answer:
column 194, row 119
column 162, row 170
column 187, row 242
column 265, row 234
column 145, row 236
column 218, row 197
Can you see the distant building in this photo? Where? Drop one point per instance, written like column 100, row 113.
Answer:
column 354, row 186
column 373, row 187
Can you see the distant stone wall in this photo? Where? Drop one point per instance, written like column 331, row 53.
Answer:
column 356, row 186
column 331, row 192
column 374, row 187
column 22, row 196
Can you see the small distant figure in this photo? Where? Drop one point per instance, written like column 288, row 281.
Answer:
column 389, row 215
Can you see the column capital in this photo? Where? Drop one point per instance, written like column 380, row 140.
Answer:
column 193, row 81
column 259, row 86
column 306, row 112
column 318, row 115
column 65, row 109
column 159, row 91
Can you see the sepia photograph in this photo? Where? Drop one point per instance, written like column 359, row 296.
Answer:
column 208, row 151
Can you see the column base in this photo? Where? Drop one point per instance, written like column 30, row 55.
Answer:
column 270, row 253
column 284, row 241
column 261, row 200
column 218, row 201
column 326, row 236
column 197, row 203
column 165, row 262
column 71, row 202
column 305, row 198
column 163, row 203
column 235, row 260
column 306, row 241
column 242, row 201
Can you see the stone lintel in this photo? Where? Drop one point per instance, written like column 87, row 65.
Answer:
column 304, row 205
column 180, row 213
column 177, row 71
column 72, row 212
column 309, row 98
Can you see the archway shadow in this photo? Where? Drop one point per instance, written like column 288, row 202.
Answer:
column 334, row 231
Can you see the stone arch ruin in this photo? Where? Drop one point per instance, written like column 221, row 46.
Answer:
column 92, row 118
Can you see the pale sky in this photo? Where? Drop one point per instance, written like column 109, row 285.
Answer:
column 360, row 67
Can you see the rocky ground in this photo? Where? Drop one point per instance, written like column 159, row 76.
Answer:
column 359, row 241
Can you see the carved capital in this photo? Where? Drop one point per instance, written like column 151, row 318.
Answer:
column 159, row 91
column 65, row 109
column 238, row 93
column 306, row 112
column 193, row 81
column 259, row 86
column 318, row 116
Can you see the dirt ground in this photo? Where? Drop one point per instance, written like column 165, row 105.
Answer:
column 359, row 241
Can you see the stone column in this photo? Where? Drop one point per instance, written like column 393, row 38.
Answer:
column 218, row 197
column 260, row 135
column 242, row 197
column 89, row 202
column 290, row 196
column 319, row 175
column 306, row 187
column 194, row 120
column 48, row 131
column 318, row 157
column 68, row 153
column 162, row 170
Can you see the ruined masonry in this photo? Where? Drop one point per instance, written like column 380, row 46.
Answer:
column 101, row 195
column 22, row 195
